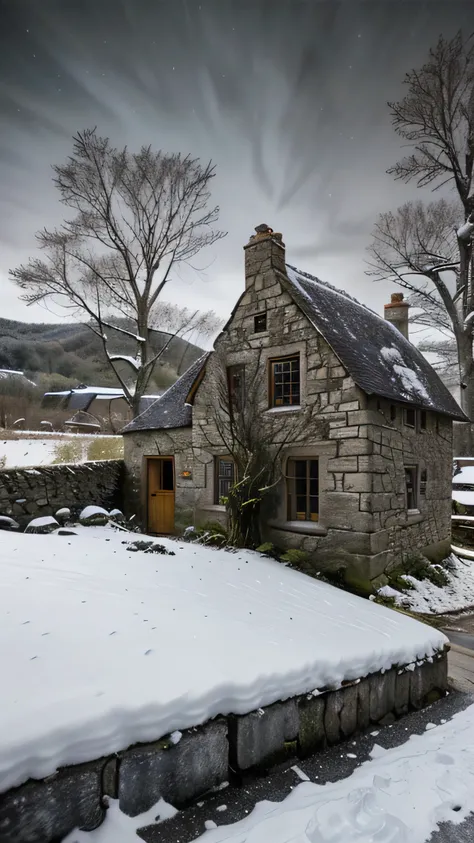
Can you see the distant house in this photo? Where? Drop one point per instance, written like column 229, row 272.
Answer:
column 370, row 482
column 96, row 401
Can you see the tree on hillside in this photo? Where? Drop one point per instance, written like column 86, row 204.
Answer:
column 138, row 218
column 427, row 249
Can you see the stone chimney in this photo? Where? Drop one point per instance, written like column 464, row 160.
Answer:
column 397, row 313
column 264, row 253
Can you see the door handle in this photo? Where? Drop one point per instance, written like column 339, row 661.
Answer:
column 153, row 494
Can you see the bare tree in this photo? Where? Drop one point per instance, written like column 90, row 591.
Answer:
column 253, row 440
column 138, row 216
column 418, row 246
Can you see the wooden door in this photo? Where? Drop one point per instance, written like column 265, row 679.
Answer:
column 160, row 495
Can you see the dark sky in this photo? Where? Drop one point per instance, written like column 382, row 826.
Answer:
column 287, row 97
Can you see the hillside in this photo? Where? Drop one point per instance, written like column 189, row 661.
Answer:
column 65, row 354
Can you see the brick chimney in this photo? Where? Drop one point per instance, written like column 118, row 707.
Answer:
column 264, row 253
column 397, row 313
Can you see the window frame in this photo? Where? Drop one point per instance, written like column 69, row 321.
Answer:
column 405, row 417
column 218, row 476
column 262, row 315
column 291, row 490
column 238, row 368
column 287, row 358
column 415, row 487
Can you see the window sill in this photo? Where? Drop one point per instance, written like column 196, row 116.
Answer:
column 291, row 408
column 309, row 528
column 414, row 516
column 257, row 335
column 213, row 507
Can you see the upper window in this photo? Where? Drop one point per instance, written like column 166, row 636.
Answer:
column 393, row 412
column 260, row 323
column 236, row 381
column 423, row 482
column 410, row 417
column 422, row 419
column 285, row 382
column 224, row 477
column 303, row 490
column 411, row 486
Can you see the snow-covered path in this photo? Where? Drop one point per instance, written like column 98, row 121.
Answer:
column 102, row 647
column 401, row 795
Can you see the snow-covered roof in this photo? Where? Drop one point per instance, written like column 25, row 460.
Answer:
column 374, row 352
column 171, row 410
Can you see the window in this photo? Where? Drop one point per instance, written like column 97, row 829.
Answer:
column 303, row 490
column 423, row 482
column 393, row 412
column 224, row 477
column 285, row 382
column 411, row 486
column 260, row 323
column 410, row 417
column 236, row 381
column 423, row 420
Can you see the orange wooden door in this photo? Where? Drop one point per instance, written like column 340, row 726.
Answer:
column 160, row 485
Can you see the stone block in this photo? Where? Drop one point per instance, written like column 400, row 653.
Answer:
column 175, row 772
column 48, row 810
column 312, row 736
column 343, row 464
column 358, row 482
column 348, row 406
column 348, row 714
column 356, row 447
column 332, row 721
column 427, row 678
column 382, row 694
column 402, row 693
column 363, row 417
column 363, row 704
column 344, row 433
column 259, row 740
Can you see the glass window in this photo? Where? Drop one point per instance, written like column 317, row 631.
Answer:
column 410, row 417
column 224, row 479
column 260, row 323
column 285, row 382
column 393, row 412
column 303, row 489
column 423, row 420
column 411, row 485
column 423, row 481
column 236, row 381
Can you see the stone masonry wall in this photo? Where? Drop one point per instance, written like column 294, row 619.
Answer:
column 363, row 522
column 226, row 749
column 176, row 443
column 29, row 492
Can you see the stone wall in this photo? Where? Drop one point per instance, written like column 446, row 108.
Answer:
column 363, row 520
column 222, row 750
column 176, row 443
column 29, row 492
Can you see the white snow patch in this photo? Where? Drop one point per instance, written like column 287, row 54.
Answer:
column 89, row 511
column 466, row 498
column 465, row 475
column 175, row 737
column 410, row 380
column 299, row 772
column 428, row 598
column 388, row 591
column 166, row 643
column 118, row 828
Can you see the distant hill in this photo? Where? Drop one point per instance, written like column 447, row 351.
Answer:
column 66, row 354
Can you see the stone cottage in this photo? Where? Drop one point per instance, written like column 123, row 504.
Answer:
column 361, row 424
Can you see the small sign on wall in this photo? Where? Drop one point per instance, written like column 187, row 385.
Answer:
column 187, row 475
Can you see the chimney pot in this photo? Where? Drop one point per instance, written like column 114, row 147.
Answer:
column 397, row 313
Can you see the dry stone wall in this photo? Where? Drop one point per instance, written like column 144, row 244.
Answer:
column 29, row 492
column 226, row 749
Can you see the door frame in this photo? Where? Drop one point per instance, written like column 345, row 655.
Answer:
column 147, row 459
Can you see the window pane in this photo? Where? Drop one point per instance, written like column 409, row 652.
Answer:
column 167, row 481
column 314, row 468
column 300, row 468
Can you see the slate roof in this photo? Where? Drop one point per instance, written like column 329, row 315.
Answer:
column 377, row 356
column 171, row 410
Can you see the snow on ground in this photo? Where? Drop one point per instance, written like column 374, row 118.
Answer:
column 400, row 796
column 24, row 452
column 428, row 598
column 101, row 647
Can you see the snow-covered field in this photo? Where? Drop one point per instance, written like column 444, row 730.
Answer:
column 427, row 598
column 102, row 647
column 400, row 796
column 45, row 449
